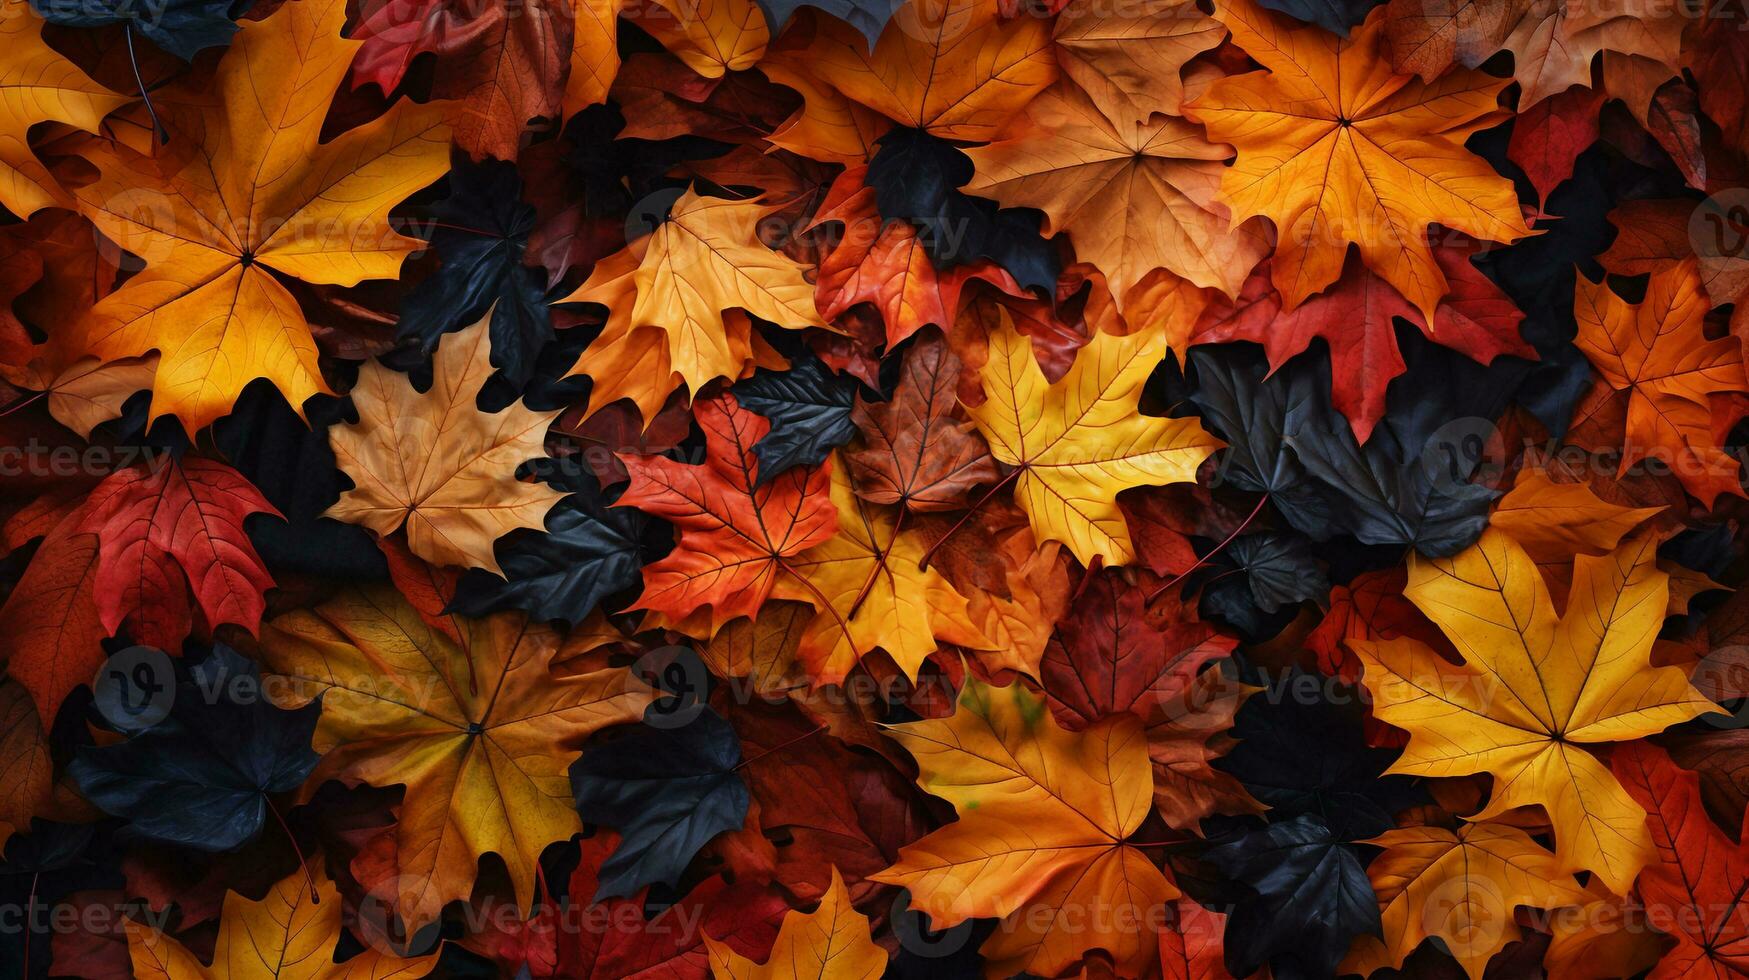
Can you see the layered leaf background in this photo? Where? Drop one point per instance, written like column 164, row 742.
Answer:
column 914, row 488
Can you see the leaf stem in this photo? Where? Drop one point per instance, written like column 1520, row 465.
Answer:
column 158, row 130
column 22, row 402
column 776, row 748
column 811, row 587
column 880, row 562
column 309, row 879
column 1213, row 551
column 998, row 485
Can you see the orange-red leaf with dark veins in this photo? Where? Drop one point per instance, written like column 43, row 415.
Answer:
column 883, row 262
column 1370, row 607
column 735, row 536
column 171, row 529
column 428, row 588
column 1113, row 653
column 1701, row 875
column 1192, row 949
column 1354, row 318
column 53, row 636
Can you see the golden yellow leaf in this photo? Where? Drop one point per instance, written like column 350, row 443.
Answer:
column 1077, row 443
column 712, row 37
column 828, row 126
column 38, row 85
column 481, row 734
column 703, row 262
column 594, row 53
column 1462, row 887
column 1535, row 689
column 830, row 943
column 260, row 196
column 956, row 68
column 868, row 571
column 289, row 934
column 1044, row 814
column 438, row 463
column 1555, row 521
column 1335, row 148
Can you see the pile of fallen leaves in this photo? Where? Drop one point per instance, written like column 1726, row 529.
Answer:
column 858, row 488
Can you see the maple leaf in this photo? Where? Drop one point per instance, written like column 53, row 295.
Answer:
column 1075, row 444
column 261, row 196
column 871, row 574
column 170, row 529
column 915, row 453
column 1133, row 196
column 1534, row 691
column 713, row 37
column 1113, row 653
column 1461, row 886
column 1356, row 319
column 1044, row 815
column 500, row 65
column 436, row 462
column 1193, row 949
column 51, row 617
column 1656, row 356
column 1700, row 873
column 887, row 264
column 830, row 942
column 669, row 943
column 1372, row 162
column 26, row 768
column 40, row 85
column 1428, row 37
column 480, row 733
column 1128, row 58
column 679, row 281
column 956, row 68
column 1554, row 42
column 737, row 535
column 289, row 934
column 1555, row 521
column 1548, row 138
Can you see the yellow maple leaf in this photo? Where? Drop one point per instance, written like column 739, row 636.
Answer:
column 290, row 934
column 830, row 943
column 259, row 196
column 1044, row 814
column 438, row 463
column 712, row 37
column 956, row 68
column 480, row 733
column 879, row 596
column 38, row 85
column 1132, row 196
column 1075, row 444
column 1335, row 149
column 1461, row 886
column 703, row 262
column 1535, row 689
column 1555, row 521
